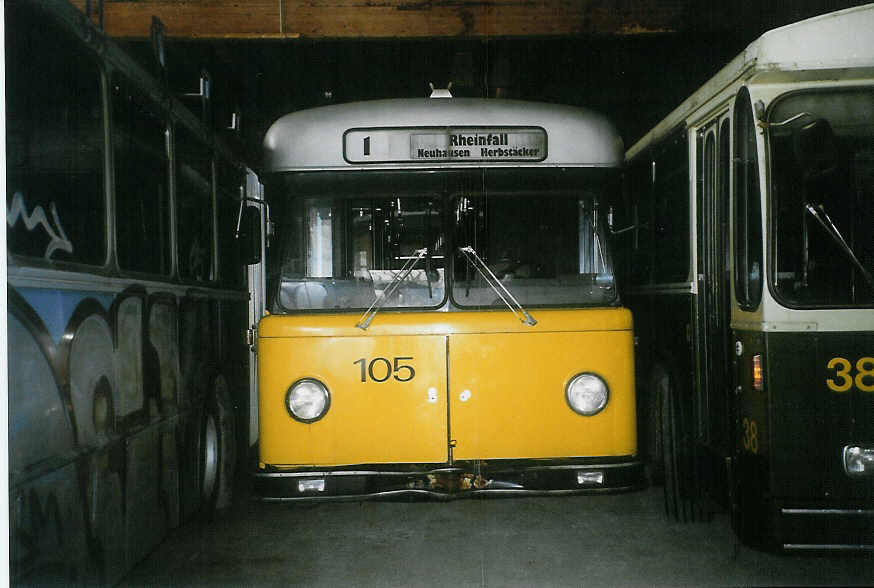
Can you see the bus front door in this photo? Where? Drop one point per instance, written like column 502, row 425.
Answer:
column 387, row 399
column 507, row 390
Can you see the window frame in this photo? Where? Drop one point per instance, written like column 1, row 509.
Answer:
column 747, row 236
column 674, row 144
column 599, row 200
column 162, row 115
column 772, row 195
column 77, row 55
column 209, row 156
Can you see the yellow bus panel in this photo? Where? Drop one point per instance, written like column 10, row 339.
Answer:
column 444, row 323
column 378, row 414
column 507, row 395
column 388, row 387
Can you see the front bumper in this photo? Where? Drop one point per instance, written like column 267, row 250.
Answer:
column 443, row 481
column 826, row 527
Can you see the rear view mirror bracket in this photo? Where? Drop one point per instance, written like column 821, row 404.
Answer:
column 248, row 231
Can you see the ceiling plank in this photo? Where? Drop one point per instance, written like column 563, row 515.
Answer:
column 384, row 19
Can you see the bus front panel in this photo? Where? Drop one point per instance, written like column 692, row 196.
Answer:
column 389, row 422
column 507, row 395
column 798, row 484
column 387, row 400
column 443, row 333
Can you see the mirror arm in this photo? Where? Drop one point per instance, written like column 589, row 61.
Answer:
column 626, row 229
column 635, row 225
column 243, row 200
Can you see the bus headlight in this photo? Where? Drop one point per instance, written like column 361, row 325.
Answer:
column 587, row 394
column 307, row 400
column 859, row 460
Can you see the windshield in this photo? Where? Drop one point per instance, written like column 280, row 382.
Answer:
column 382, row 240
column 544, row 248
column 822, row 166
column 341, row 244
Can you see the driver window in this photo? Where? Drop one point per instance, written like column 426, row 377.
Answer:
column 747, row 207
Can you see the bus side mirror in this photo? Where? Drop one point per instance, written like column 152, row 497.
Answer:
column 249, row 234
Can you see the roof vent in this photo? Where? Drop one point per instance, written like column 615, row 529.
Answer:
column 441, row 92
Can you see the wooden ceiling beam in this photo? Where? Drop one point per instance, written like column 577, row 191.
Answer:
column 388, row 19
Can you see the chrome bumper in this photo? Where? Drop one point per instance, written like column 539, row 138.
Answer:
column 445, row 482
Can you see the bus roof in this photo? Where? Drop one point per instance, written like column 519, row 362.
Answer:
column 837, row 40
column 427, row 133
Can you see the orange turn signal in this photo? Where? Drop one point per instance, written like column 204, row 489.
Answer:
column 758, row 374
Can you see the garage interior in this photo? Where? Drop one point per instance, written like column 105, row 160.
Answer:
column 632, row 61
column 242, row 65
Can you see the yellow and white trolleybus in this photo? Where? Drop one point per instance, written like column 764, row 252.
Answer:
column 442, row 317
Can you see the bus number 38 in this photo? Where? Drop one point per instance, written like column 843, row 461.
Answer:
column 380, row 369
column 844, row 377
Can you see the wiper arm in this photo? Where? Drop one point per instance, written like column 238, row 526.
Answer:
column 383, row 297
column 818, row 212
column 428, row 273
column 496, row 285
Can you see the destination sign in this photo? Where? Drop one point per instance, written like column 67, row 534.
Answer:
column 445, row 145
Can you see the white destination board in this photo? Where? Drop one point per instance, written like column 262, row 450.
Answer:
column 443, row 145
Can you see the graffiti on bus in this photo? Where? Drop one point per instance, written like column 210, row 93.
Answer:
column 58, row 239
column 103, row 438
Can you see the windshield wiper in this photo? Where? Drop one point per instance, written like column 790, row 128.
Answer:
column 818, row 212
column 496, row 285
column 383, row 296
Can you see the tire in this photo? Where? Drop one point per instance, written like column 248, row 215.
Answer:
column 683, row 495
column 210, row 458
column 651, row 426
column 669, row 449
column 217, row 454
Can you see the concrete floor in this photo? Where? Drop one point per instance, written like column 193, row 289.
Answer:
column 606, row 540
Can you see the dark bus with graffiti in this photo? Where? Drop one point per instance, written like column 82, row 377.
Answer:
column 128, row 368
column 746, row 235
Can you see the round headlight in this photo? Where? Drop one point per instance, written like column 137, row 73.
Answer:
column 307, row 400
column 587, row 394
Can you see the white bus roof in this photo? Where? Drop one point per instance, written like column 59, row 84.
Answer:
column 524, row 133
column 837, row 40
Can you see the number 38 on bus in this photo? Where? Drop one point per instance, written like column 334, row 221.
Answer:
column 442, row 317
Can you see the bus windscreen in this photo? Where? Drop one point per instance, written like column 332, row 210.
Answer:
column 546, row 249
column 347, row 251
column 343, row 240
column 822, row 162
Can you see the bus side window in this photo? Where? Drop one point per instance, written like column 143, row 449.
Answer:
column 194, row 207
column 56, row 203
column 671, row 214
column 142, row 183
column 747, row 207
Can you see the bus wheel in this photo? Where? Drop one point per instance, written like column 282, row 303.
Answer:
column 668, row 430
column 683, row 498
column 651, row 426
column 217, row 450
column 209, row 459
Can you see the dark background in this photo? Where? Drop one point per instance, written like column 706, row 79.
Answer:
column 635, row 79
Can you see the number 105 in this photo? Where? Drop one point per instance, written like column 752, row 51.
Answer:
column 380, row 369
